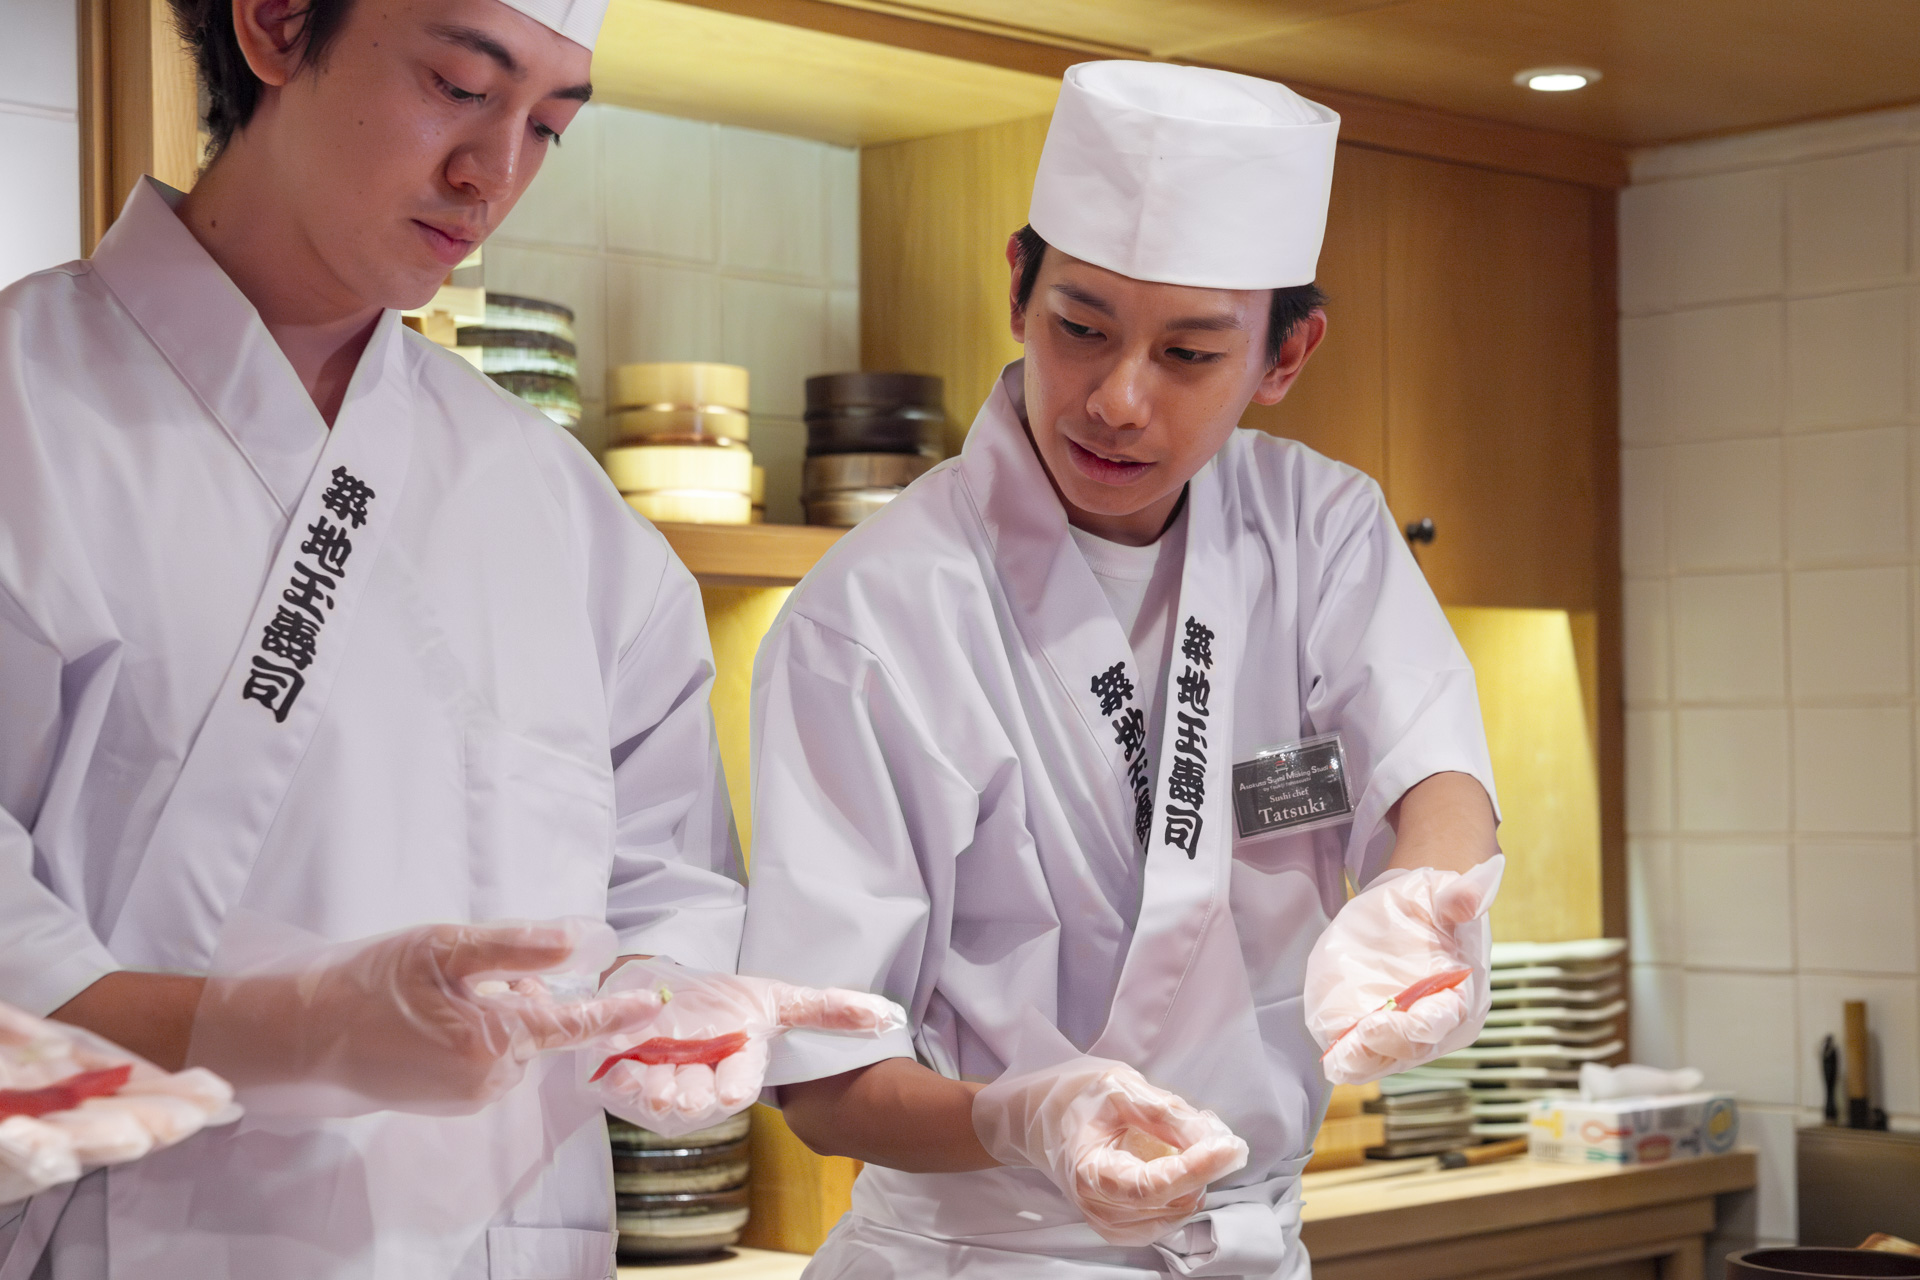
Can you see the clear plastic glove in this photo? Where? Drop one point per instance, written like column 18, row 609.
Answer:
column 1404, row 929
column 1134, row 1159
column 704, row 1056
column 433, row 1020
column 71, row 1101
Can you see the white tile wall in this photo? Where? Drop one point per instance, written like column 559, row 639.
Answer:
column 680, row 240
column 1770, row 424
column 39, row 136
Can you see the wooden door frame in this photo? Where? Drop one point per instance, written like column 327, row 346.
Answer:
column 139, row 107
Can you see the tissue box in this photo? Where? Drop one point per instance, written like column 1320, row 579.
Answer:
column 1632, row 1130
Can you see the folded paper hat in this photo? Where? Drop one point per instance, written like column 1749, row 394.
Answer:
column 577, row 20
column 1185, row 175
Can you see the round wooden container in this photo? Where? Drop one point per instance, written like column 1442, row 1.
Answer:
column 693, row 506
column 839, row 472
column 704, row 424
column 683, row 385
column 849, row 507
column 652, row 468
column 874, row 413
column 679, row 1197
column 1819, row 1264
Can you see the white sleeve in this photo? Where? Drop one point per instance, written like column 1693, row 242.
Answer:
column 675, row 888
column 1381, row 665
column 857, row 819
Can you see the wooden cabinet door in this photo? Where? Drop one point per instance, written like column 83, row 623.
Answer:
column 1492, row 381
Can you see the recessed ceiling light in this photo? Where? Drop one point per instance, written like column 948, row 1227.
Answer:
column 1557, row 79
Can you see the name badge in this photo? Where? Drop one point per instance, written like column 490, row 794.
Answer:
column 1295, row 787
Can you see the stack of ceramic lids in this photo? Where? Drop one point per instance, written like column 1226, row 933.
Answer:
column 679, row 1197
column 527, row 346
column 678, row 436
column 869, row 435
column 1424, row 1117
column 1555, row 1006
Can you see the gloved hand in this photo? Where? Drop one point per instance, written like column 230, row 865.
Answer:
column 703, row 1056
column 1404, row 928
column 435, row 1020
column 1134, row 1159
column 71, row 1101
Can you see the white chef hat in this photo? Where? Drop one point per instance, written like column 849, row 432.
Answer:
column 1185, row 175
column 577, row 20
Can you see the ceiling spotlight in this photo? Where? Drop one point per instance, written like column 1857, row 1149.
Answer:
column 1557, row 79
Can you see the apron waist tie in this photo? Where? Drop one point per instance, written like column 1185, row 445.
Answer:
column 1243, row 1231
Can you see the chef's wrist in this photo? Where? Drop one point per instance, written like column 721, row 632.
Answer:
column 149, row 1014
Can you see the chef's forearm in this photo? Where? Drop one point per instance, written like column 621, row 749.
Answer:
column 895, row 1113
column 150, row 1014
column 1444, row 821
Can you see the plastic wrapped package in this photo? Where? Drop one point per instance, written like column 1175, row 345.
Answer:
column 1135, row 1159
column 704, row 1056
column 1408, row 933
column 71, row 1101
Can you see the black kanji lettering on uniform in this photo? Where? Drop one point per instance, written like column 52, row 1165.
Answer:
column 1197, row 644
column 328, row 544
column 1193, row 689
column 273, row 686
column 308, row 588
column 1187, row 781
column 1130, row 731
column 347, row 497
column 290, row 635
column 1183, row 830
column 1188, row 736
column 1142, row 815
column 1113, row 688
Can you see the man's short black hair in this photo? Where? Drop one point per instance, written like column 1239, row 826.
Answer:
column 1291, row 305
column 233, row 91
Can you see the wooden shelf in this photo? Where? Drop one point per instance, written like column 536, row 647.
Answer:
column 749, row 555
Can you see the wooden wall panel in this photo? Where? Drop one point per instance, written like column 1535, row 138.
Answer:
column 1338, row 405
column 935, row 214
column 139, row 106
column 1491, row 410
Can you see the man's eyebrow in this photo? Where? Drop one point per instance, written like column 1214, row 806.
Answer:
column 577, row 93
column 1084, row 298
column 480, row 42
column 1209, row 324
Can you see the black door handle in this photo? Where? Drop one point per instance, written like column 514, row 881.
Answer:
column 1421, row 530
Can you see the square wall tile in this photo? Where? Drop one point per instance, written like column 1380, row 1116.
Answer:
column 780, row 447
column 1723, row 505
column 1853, row 770
column 1729, row 638
column 1653, row 903
column 1848, row 633
column 1649, row 771
column 1723, row 371
column 1847, row 359
column 1646, row 248
column 1854, row 907
column 40, row 60
column 1847, row 222
column 1646, row 640
column 1727, row 240
column 561, row 206
column 41, row 156
column 779, row 332
column 659, row 176
column 1732, row 770
column 843, row 330
column 1658, row 1013
column 1646, row 379
column 576, row 280
column 1847, row 496
column 1893, row 1035
column 1737, row 906
column 843, row 216
column 1740, row 1032
column 1643, row 511
column 661, row 313
column 773, row 204
column 1770, row 1132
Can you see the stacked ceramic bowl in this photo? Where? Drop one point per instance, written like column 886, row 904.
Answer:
column 869, row 435
column 678, row 442
column 679, row 1197
column 527, row 346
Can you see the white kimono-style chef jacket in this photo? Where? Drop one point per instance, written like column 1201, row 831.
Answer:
column 426, row 666
column 954, row 806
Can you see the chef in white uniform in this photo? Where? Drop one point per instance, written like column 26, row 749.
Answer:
column 1000, row 732
column 304, row 622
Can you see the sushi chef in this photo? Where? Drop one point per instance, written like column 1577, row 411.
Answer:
column 319, row 654
column 1074, row 746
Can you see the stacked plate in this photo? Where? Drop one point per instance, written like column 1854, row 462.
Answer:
column 527, row 346
column 679, row 1197
column 1424, row 1117
column 869, row 435
column 679, row 442
column 1555, row 1006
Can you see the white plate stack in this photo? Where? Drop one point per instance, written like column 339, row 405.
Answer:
column 1555, row 1006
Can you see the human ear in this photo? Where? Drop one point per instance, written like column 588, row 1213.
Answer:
column 1017, row 314
column 1278, row 379
column 269, row 34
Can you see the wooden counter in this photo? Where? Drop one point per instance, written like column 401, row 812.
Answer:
column 1523, row 1219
